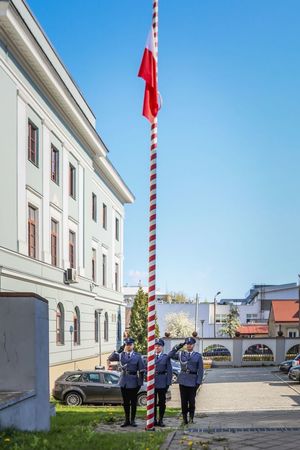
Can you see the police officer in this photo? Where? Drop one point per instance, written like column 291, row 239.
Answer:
column 131, row 379
column 163, row 379
column 190, row 376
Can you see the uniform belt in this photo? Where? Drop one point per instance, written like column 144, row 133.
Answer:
column 128, row 372
column 161, row 373
column 189, row 371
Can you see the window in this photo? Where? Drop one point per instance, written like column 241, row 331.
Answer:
column 104, row 216
column 110, row 378
column 106, row 331
column 75, row 377
column 116, row 276
column 94, row 207
column 117, row 230
column 72, row 181
column 72, row 243
column 93, row 264
column 60, row 320
column 54, row 242
column 76, row 326
column 54, row 164
column 251, row 317
column 292, row 333
column 119, row 328
column 32, row 231
column 96, row 327
column 93, row 377
column 104, row 262
column 33, row 134
column 221, row 318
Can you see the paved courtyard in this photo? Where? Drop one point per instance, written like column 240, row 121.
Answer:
column 241, row 409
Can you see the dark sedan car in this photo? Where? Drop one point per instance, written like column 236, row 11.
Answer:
column 286, row 365
column 294, row 373
column 95, row 387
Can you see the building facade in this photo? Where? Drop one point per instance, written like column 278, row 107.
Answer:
column 61, row 200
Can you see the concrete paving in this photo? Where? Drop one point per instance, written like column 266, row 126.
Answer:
column 241, row 409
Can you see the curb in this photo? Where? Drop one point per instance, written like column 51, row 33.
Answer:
column 168, row 441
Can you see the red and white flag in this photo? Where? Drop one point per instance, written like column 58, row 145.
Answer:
column 148, row 71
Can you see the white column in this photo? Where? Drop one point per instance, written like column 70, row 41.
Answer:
column 81, row 229
column 46, row 146
column 22, row 143
column 113, row 248
column 65, row 220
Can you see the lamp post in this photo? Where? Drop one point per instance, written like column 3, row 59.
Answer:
column 196, row 312
column 215, row 311
column 99, row 312
column 71, row 329
column 202, row 336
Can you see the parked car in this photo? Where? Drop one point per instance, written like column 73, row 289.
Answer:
column 294, row 373
column 95, row 387
column 115, row 365
column 222, row 351
column 296, row 361
column 285, row 366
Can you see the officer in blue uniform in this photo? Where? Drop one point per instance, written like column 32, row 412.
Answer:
column 132, row 378
column 163, row 379
column 190, row 377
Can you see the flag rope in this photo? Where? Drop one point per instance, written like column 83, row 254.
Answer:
column 152, row 250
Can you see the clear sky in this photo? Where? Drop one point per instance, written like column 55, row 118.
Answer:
column 229, row 134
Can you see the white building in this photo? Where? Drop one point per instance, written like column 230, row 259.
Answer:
column 62, row 201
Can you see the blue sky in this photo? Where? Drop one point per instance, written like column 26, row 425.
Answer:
column 229, row 134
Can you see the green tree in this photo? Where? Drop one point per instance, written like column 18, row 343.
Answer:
column 177, row 297
column 232, row 322
column 139, row 322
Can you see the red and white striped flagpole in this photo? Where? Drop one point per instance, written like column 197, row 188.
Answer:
column 152, row 251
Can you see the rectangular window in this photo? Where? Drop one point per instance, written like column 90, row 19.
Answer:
column 104, row 216
column 116, row 276
column 72, row 181
column 72, row 246
column 117, row 226
column 54, row 164
column 94, row 264
column 33, row 143
column 221, row 318
column 104, row 262
column 54, row 242
column 94, row 207
column 32, row 231
column 292, row 334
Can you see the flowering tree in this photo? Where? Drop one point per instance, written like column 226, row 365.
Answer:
column 179, row 324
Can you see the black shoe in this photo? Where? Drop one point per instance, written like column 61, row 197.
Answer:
column 155, row 423
column 125, row 424
column 161, row 423
column 133, row 423
column 184, row 420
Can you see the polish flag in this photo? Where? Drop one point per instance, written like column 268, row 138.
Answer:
column 148, row 71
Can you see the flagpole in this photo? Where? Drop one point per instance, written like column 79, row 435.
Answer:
column 152, row 251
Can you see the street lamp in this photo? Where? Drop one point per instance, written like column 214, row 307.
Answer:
column 215, row 310
column 202, row 336
column 99, row 312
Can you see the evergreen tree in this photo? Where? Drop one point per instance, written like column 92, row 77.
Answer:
column 231, row 323
column 138, row 322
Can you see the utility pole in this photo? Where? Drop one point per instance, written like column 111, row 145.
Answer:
column 197, row 312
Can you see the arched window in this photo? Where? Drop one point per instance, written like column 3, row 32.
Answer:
column 96, row 327
column 76, row 326
column 60, row 324
column 106, row 330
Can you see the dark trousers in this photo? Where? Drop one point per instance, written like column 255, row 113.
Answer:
column 129, row 402
column 188, row 396
column 160, row 402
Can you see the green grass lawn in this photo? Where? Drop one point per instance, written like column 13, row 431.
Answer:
column 74, row 428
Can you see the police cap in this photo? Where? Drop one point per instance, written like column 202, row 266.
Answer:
column 128, row 341
column 190, row 340
column 159, row 342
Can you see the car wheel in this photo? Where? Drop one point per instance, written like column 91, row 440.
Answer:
column 174, row 378
column 73, row 399
column 142, row 399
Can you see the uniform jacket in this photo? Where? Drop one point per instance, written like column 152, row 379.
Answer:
column 132, row 369
column 163, row 371
column 191, row 367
